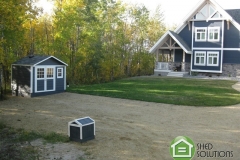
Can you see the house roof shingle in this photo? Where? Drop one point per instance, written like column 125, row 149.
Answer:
column 181, row 41
column 235, row 14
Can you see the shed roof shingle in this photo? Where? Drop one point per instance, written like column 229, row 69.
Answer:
column 31, row 60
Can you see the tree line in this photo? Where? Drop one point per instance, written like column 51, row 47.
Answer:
column 100, row 40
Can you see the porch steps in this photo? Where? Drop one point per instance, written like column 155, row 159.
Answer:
column 176, row 74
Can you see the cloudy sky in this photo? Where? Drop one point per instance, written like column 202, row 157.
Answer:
column 174, row 10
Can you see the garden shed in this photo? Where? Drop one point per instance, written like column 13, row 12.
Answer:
column 38, row 75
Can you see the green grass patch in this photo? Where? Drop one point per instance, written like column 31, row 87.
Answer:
column 179, row 91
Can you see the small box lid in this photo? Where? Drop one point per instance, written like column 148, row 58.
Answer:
column 84, row 121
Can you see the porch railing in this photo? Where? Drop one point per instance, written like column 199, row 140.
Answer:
column 162, row 66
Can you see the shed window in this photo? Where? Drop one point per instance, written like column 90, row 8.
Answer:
column 49, row 72
column 59, row 73
column 200, row 34
column 40, row 73
column 200, row 58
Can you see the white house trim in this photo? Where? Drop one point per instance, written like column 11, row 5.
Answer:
column 221, row 64
column 231, row 49
column 212, row 71
column 198, row 48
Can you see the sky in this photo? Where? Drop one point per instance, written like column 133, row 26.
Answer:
column 174, row 10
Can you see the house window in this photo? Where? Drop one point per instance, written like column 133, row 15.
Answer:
column 213, row 33
column 212, row 58
column 40, row 73
column 59, row 73
column 49, row 72
column 200, row 58
column 200, row 34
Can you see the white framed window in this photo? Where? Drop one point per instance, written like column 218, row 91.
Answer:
column 40, row 73
column 200, row 33
column 212, row 58
column 49, row 72
column 213, row 33
column 200, row 57
column 60, row 73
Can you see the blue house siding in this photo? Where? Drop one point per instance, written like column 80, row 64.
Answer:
column 231, row 36
column 186, row 35
column 179, row 56
column 206, row 67
column 188, row 58
column 207, row 44
column 232, row 57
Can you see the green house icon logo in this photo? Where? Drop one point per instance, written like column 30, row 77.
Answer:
column 182, row 148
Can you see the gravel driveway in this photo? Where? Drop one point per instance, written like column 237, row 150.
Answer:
column 127, row 129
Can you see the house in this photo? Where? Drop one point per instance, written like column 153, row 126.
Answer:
column 38, row 75
column 207, row 42
column 182, row 148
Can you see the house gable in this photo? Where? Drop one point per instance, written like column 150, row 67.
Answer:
column 207, row 10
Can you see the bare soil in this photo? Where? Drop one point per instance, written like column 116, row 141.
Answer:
column 125, row 129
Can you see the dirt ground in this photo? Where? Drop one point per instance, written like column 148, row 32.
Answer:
column 127, row 129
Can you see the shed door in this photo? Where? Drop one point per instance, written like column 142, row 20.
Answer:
column 44, row 79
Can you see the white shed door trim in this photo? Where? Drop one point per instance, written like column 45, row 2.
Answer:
column 44, row 78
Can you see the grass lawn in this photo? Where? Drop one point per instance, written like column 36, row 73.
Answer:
column 179, row 91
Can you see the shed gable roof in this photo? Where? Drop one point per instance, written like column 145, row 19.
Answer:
column 35, row 60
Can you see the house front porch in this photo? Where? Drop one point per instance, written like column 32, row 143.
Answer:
column 178, row 69
column 172, row 55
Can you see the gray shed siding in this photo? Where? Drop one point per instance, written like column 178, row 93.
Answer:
column 231, row 36
column 207, row 44
column 60, row 81
column 40, row 85
column 21, row 80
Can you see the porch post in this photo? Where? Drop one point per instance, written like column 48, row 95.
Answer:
column 157, row 55
column 183, row 62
